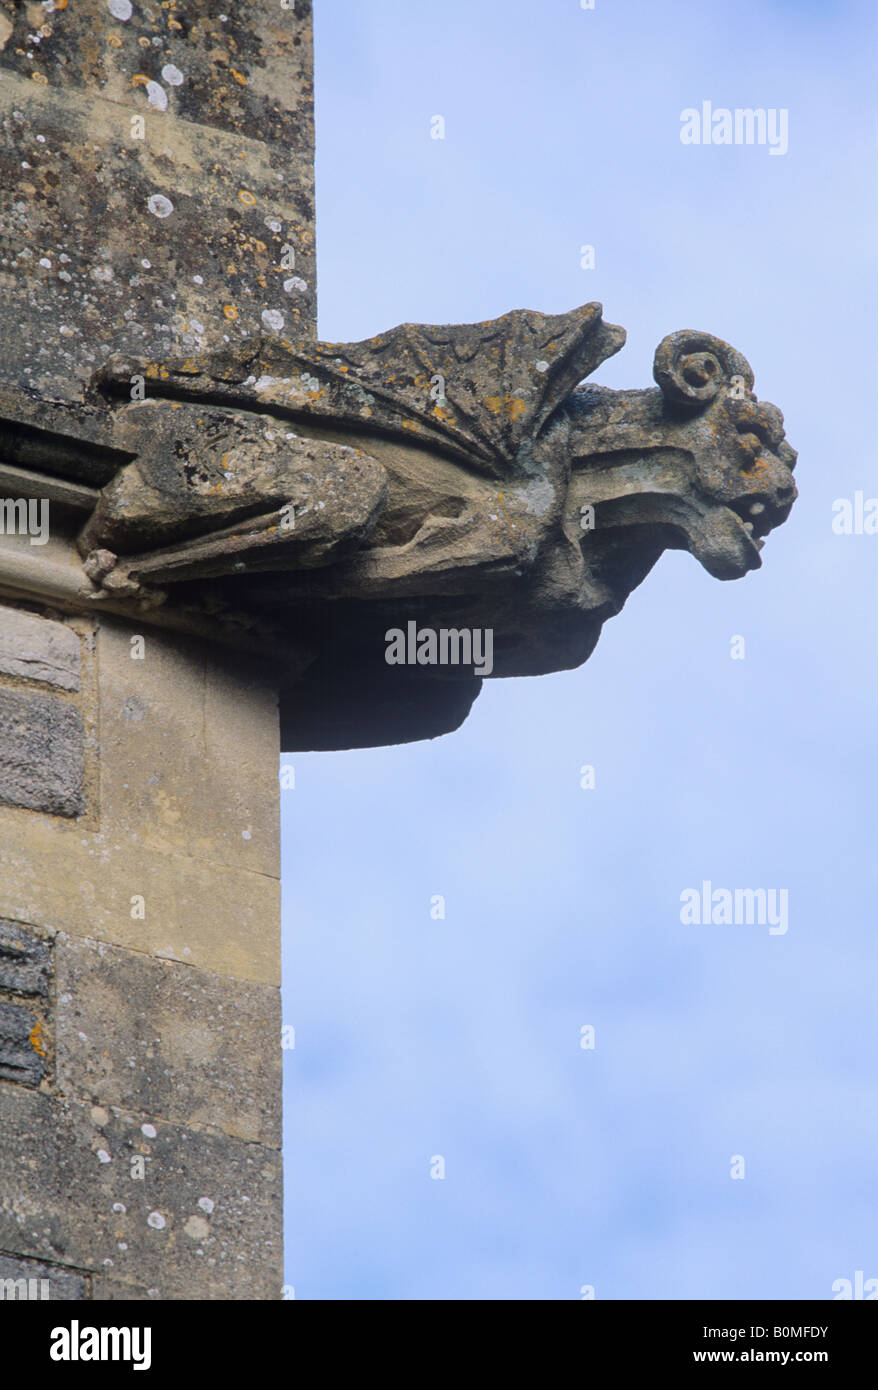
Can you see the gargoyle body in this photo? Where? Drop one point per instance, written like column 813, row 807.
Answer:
column 452, row 477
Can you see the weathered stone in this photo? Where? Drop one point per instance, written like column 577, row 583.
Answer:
column 67, row 1194
column 113, row 1291
column 516, row 502
column 194, row 1047
column 196, row 911
column 25, row 961
column 41, row 753
column 282, row 501
column 33, row 1280
column 39, row 650
column 175, row 164
column 172, row 726
column 22, row 1053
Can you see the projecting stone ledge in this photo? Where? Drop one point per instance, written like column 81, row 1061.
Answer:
column 387, row 522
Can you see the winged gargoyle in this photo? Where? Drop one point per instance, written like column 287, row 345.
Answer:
column 458, row 477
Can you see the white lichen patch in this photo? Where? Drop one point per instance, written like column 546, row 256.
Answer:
column 159, row 205
column 197, row 1228
column 537, row 497
column 157, row 96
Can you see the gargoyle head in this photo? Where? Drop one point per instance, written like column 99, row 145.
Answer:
column 700, row 462
column 743, row 463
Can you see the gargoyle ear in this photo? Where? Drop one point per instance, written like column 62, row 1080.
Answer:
column 693, row 368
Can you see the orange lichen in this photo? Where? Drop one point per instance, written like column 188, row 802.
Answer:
column 510, row 406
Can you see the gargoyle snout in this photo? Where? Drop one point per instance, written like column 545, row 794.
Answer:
column 768, row 490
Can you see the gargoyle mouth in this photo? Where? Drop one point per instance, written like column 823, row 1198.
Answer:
column 723, row 541
column 727, row 539
column 757, row 516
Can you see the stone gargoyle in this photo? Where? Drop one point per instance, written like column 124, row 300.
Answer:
column 458, row 478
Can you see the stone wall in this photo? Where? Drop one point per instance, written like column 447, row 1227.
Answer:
column 140, row 1079
column 155, row 160
column 156, row 196
column 139, row 964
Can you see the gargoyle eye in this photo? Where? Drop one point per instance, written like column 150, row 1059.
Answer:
column 699, row 371
column 752, row 443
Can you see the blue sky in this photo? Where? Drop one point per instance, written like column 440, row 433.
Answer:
column 607, row 1167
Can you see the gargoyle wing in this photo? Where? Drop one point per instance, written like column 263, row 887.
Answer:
column 481, row 391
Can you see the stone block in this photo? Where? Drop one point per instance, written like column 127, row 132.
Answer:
column 167, row 1039
column 42, row 765
column 189, row 750
column 203, row 1222
column 25, row 961
column 200, row 913
column 22, row 1050
column 38, row 649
